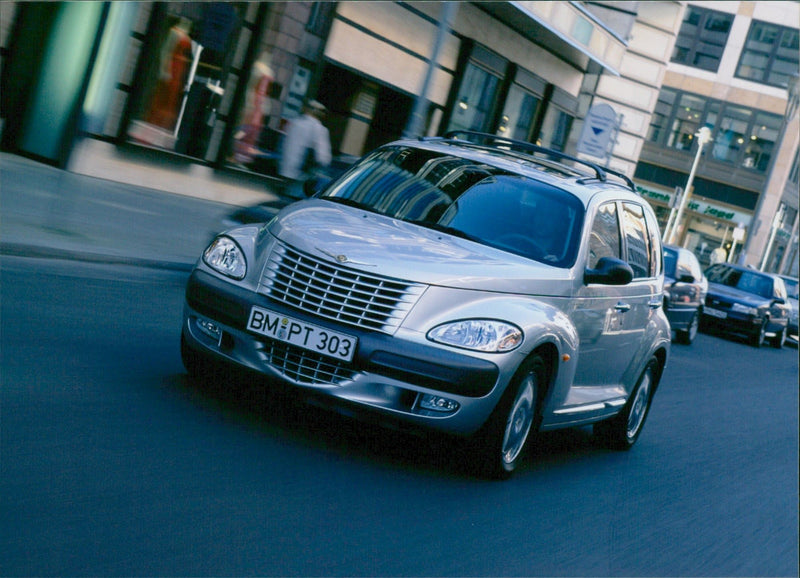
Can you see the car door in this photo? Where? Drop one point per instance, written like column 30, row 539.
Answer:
column 598, row 315
column 612, row 320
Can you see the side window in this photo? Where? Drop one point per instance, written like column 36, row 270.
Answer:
column 637, row 242
column 604, row 238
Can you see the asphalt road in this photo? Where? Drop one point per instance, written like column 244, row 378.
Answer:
column 114, row 465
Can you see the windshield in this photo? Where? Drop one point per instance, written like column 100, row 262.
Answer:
column 468, row 199
column 743, row 280
column 791, row 287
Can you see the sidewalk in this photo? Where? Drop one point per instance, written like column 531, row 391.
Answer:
column 48, row 212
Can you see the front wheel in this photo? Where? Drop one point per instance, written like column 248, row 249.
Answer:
column 758, row 336
column 686, row 336
column 621, row 431
column 501, row 441
column 780, row 339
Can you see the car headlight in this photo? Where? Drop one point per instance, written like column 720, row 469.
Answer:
column 225, row 256
column 739, row 308
column 478, row 334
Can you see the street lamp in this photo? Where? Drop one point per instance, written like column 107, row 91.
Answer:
column 703, row 137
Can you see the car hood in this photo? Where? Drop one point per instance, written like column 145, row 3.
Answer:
column 380, row 245
column 736, row 295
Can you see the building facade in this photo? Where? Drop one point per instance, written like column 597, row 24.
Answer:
column 199, row 93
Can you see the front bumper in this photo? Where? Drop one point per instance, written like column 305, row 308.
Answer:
column 389, row 373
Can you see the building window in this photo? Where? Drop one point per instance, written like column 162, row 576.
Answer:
column 763, row 137
column 731, row 134
column 320, row 17
column 182, row 86
column 740, row 136
column 555, row 129
column 660, row 119
column 770, row 54
column 518, row 113
column 475, row 99
column 701, row 40
column 687, row 120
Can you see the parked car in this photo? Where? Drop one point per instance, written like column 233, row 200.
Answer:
column 685, row 289
column 747, row 301
column 792, row 290
column 469, row 284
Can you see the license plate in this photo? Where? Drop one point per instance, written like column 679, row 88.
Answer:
column 301, row 334
column 715, row 313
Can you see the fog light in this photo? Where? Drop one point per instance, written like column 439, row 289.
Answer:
column 436, row 403
column 210, row 329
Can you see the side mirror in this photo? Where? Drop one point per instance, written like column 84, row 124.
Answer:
column 779, row 301
column 609, row 271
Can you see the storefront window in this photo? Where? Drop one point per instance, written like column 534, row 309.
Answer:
column 518, row 114
column 761, row 142
column 660, row 118
column 732, row 133
column 475, row 100
column 183, row 86
column 686, row 123
column 555, row 129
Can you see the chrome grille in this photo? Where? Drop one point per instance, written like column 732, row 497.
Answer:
column 304, row 366
column 335, row 292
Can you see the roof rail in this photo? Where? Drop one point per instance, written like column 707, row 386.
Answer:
column 487, row 139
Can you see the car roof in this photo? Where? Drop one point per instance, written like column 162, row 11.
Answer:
column 546, row 165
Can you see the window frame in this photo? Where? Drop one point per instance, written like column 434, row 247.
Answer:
column 776, row 53
column 662, row 130
column 697, row 42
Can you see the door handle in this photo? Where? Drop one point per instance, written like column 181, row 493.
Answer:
column 623, row 307
column 655, row 303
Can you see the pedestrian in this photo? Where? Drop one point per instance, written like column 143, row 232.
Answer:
column 718, row 255
column 306, row 147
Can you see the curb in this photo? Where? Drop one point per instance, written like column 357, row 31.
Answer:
column 37, row 252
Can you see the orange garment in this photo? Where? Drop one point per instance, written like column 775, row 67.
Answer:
column 175, row 62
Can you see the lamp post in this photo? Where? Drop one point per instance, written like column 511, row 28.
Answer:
column 703, row 137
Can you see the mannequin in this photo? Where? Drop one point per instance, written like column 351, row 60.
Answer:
column 175, row 61
column 257, row 106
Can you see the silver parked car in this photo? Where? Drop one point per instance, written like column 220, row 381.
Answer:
column 468, row 284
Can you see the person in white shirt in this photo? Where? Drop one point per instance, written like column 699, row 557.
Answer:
column 306, row 136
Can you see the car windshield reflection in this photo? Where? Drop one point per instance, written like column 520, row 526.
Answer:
column 467, row 199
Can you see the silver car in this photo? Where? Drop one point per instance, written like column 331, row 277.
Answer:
column 468, row 284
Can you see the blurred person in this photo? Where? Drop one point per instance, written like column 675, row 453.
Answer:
column 257, row 106
column 718, row 255
column 306, row 147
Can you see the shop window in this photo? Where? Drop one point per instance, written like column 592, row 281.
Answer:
column 555, row 129
column 732, row 134
column 702, row 38
column 770, row 54
column 475, row 99
column 183, row 83
column 660, row 118
column 518, row 113
column 686, row 122
column 761, row 142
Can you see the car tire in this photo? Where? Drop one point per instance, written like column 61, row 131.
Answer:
column 501, row 442
column 779, row 339
column 758, row 336
column 621, row 431
column 686, row 336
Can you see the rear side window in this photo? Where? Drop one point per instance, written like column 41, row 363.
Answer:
column 638, row 244
column 604, row 240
